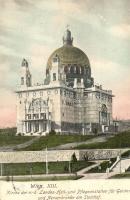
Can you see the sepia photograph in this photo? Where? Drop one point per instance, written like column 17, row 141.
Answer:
column 65, row 91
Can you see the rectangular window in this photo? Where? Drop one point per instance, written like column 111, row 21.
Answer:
column 22, row 80
column 54, row 76
column 20, row 95
column 29, row 116
column 41, row 93
column 35, row 116
column 27, row 94
column 34, row 94
column 43, row 115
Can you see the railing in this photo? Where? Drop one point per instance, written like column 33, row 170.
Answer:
column 114, row 164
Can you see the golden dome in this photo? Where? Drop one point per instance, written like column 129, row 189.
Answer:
column 69, row 54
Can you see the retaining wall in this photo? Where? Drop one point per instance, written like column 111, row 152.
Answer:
column 37, row 156
column 57, row 155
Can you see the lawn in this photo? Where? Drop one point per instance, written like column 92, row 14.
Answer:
column 102, row 167
column 55, row 140
column 40, row 168
column 121, row 140
column 7, row 137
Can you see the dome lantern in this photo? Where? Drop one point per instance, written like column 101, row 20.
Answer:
column 67, row 39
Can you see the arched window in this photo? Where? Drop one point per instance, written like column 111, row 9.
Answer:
column 66, row 69
column 82, row 70
column 78, row 69
column 69, row 68
column 72, row 69
column 104, row 114
column 104, row 108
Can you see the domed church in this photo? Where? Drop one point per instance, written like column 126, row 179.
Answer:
column 68, row 101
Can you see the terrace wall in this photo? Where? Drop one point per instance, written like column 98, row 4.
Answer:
column 57, row 155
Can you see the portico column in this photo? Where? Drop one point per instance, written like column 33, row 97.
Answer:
column 26, row 127
column 40, row 127
column 90, row 127
column 32, row 127
column 23, row 127
column 48, row 128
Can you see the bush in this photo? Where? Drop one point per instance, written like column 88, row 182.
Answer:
column 66, row 169
column 52, row 132
column 74, row 159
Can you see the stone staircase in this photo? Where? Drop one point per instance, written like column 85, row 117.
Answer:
column 121, row 166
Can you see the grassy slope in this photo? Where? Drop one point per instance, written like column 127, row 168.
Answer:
column 120, row 140
column 40, row 168
column 55, row 140
column 7, row 137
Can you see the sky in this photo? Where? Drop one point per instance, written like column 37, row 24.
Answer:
column 34, row 29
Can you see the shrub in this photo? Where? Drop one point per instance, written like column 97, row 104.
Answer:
column 74, row 159
column 52, row 132
column 66, row 169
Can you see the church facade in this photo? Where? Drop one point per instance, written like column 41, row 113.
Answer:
column 68, row 101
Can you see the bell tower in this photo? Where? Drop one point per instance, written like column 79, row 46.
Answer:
column 55, row 69
column 26, row 78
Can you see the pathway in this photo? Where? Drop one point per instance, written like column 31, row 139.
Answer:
column 85, row 175
column 60, row 147
column 75, row 144
column 83, row 171
column 19, row 146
